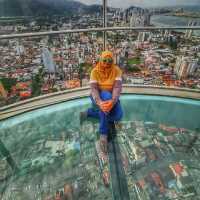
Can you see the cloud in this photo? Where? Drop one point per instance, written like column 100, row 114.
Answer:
column 145, row 3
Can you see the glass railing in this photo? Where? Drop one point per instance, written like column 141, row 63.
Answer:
column 33, row 64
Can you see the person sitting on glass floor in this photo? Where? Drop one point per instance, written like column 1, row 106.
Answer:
column 106, row 86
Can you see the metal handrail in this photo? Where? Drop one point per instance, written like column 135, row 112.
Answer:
column 46, row 33
column 104, row 22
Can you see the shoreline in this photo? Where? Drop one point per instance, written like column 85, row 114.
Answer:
column 185, row 15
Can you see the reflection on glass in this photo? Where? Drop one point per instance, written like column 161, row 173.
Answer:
column 160, row 162
column 55, row 162
column 154, row 156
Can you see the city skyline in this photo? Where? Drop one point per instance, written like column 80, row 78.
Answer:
column 143, row 3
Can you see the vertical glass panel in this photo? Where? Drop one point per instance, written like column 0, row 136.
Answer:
column 36, row 66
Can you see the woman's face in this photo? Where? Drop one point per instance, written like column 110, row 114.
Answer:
column 106, row 62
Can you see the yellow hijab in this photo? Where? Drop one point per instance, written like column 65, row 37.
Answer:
column 105, row 72
column 105, row 76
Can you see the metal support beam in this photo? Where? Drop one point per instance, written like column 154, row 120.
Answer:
column 104, row 22
column 40, row 34
column 6, row 154
column 119, row 181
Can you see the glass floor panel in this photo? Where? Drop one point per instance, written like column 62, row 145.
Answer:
column 46, row 155
column 160, row 162
column 52, row 157
column 62, row 164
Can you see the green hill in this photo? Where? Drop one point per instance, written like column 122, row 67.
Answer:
column 10, row 8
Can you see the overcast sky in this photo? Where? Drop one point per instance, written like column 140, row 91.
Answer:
column 144, row 3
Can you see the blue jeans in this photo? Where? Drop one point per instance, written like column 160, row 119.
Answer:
column 114, row 115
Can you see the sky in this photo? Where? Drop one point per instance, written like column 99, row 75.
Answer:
column 143, row 3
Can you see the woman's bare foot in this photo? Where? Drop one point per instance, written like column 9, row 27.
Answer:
column 104, row 143
column 118, row 125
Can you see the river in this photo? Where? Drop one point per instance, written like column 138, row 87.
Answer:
column 164, row 20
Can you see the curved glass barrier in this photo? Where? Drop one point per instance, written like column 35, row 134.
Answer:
column 46, row 154
column 34, row 66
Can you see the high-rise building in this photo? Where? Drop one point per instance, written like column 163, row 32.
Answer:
column 20, row 50
column 139, row 18
column 143, row 36
column 132, row 21
column 189, row 32
column 48, row 61
column 185, row 66
column 125, row 17
column 167, row 33
column 171, row 41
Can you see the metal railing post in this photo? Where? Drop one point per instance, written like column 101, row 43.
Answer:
column 104, row 22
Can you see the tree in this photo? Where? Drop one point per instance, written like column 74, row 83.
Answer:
column 133, row 68
column 8, row 83
column 36, row 87
column 99, row 34
column 37, row 81
column 173, row 43
column 81, row 66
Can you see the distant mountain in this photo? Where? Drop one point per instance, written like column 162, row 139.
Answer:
column 44, row 7
column 93, row 9
column 134, row 8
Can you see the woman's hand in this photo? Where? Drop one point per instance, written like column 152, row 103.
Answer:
column 106, row 106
